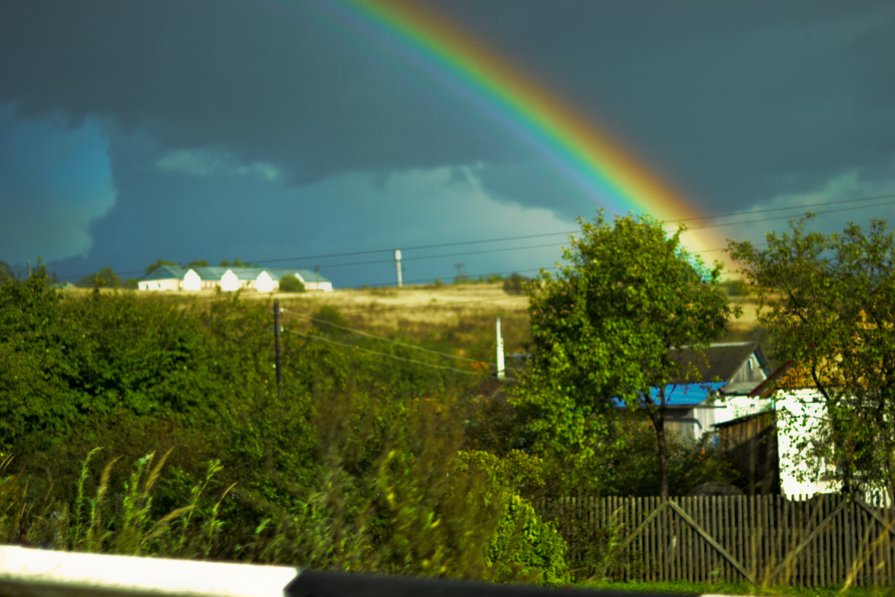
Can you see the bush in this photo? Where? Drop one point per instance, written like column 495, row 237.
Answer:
column 515, row 284
column 328, row 319
column 290, row 283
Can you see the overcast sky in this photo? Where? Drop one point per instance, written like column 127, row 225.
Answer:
column 282, row 130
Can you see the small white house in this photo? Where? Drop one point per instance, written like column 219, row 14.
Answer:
column 312, row 280
column 777, row 442
column 167, row 277
column 714, row 386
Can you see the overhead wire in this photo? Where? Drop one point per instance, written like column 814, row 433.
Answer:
column 385, row 354
column 867, row 202
column 391, row 341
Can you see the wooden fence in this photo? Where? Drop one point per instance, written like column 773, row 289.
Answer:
column 824, row 541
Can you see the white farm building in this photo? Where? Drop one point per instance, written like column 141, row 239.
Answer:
column 229, row 279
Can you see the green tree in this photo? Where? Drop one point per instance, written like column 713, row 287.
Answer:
column 828, row 302
column 604, row 328
column 6, row 274
column 515, row 284
column 104, row 278
column 290, row 283
column 157, row 264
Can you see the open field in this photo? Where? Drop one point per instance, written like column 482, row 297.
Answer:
column 457, row 317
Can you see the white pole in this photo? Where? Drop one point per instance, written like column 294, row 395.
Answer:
column 398, row 267
column 501, row 368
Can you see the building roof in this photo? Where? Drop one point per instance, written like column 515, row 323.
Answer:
column 212, row 272
column 718, row 363
column 165, row 272
column 790, row 376
column 682, row 395
column 306, row 274
column 705, row 373
column 690, row 394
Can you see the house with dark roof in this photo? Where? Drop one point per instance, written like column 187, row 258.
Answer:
column 713, row 386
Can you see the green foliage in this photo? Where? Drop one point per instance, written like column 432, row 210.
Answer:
column 109, row 514
column 6, row 273
column 328, row 319
column 290, row 283
column 515, row 284
column 233, row 263
column 604, row 327
column 736, row 288
column 104, row 278
column 828, row 302
column 157, row 264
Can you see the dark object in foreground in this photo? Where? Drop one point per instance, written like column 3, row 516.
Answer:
column 331, row 584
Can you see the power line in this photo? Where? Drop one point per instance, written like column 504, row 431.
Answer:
column 775, row 209
column 384, row 354
column 390, row 341
column 876, row 202
column 760, row 220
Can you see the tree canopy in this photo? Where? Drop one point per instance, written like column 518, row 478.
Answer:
column 104, row 278
column 604, row 328
column 828, row 301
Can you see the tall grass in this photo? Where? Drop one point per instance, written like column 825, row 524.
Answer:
column 108, row 516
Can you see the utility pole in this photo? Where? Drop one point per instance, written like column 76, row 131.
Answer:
column 398, row 267
column 278, row 351
column 501, row 367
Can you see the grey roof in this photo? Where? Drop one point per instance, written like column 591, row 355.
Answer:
column 210, row 272
column 306, row 274
column 719, row 362
column 166, row 272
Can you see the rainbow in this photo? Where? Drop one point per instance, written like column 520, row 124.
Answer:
column 598, row 164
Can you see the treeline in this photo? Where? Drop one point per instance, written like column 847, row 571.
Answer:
column 153, row 425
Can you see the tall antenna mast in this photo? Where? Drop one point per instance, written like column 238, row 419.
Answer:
column 398, row 267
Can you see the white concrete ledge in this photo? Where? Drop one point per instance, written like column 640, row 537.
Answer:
column 40, row 573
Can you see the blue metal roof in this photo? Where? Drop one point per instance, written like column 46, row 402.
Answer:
column 690, row 394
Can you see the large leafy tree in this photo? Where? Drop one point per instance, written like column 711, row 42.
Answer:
column 604, row 328
column 828, row 301
column 104, row 278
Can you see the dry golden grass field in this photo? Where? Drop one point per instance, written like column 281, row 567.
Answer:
column 458, row 317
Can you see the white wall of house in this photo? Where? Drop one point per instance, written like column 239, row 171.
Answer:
column 230, row 282
column 265, row 283
column 321, row 286
column 192, row 281
column 318, row 285
column 801, row 417
column 162, row 284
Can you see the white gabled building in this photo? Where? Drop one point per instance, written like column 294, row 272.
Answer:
column 166, row 277
column 229, row 279
column 778, row 442
column 312, row 280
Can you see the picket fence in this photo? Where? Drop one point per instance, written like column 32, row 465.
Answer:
column 825, row 541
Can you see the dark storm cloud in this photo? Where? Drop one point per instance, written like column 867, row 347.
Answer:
column 281, row 82
column 732, row 101
column 729, row 101
column 230, row 120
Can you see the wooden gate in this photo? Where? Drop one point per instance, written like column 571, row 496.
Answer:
column 827, row 540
